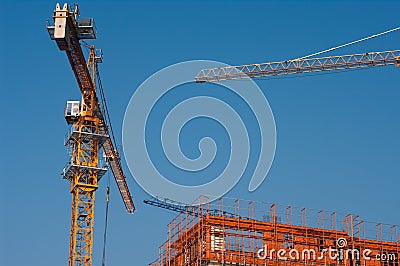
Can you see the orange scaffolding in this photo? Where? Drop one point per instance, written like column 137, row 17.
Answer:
column 240, row 232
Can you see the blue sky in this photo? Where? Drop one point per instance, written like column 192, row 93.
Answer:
column 338, row 146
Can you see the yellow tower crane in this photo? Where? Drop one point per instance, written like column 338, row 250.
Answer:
column 89, row 133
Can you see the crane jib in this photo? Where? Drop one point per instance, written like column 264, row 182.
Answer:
column 298, row 66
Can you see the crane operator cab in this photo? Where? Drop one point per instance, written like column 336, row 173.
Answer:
column 72, row 111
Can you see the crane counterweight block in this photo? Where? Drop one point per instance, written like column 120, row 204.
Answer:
column 66, row 24
column 61, row 31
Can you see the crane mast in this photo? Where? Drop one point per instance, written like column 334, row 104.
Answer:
column 299, row 66
column 88, row 136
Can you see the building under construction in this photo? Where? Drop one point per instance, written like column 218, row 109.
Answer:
column 227, row 231
column 239, row 232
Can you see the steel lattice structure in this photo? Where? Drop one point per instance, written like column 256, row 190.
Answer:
column 298, row 66
column 89, row 135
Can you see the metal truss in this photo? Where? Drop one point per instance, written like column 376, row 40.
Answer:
column 298, row 66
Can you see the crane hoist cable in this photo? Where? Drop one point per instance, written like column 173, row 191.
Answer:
column 350, row 43
column 104, row 105
column 103, row 260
